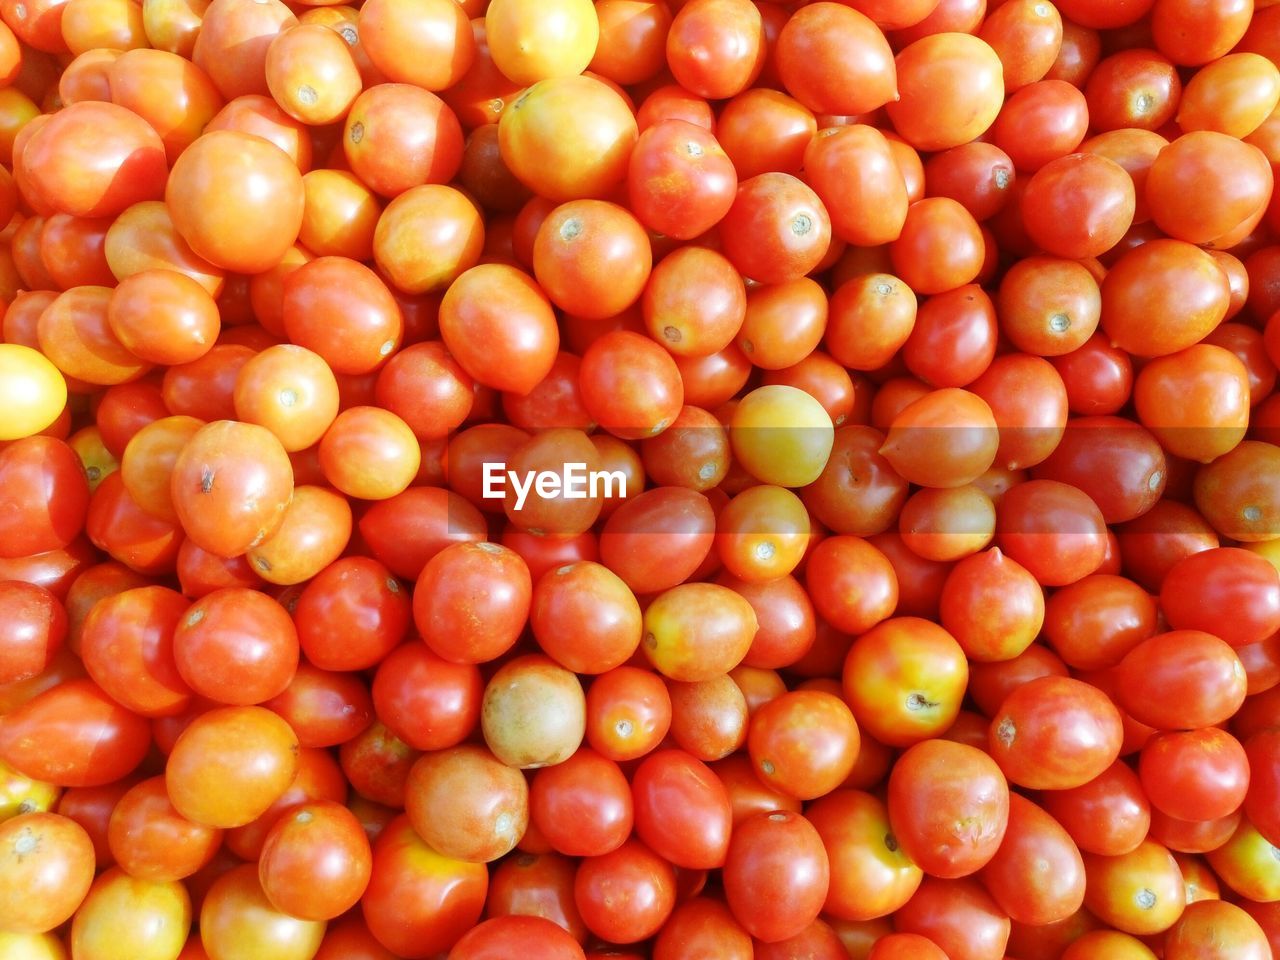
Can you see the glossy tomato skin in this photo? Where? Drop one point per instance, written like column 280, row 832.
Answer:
column 1181, row 680
column 949, row 806
column 1226, row 591
column 73, row 735
column 771, row 852
column 1037, row 875
column 45, row 496
column 682, row 810
column 1055, row 733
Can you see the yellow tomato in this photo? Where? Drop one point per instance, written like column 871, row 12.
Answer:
column 31, row 946
column 32, row 392
column 1269, row 550
column 532, row 40
column 126, row 917
column 781, row 435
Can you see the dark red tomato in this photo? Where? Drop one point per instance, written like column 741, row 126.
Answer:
column 682, row 810
column 1053, row 529
column 1036, row 876
column 73, row 735
column 351, row 615
column 625, row 896
column 954, row 337
column 428, row 702
column 501, row 937
column 949, row 807
column 1181, row 680
column 702, row 927
column 583, row 807
column 1097, row 375
column 1078, row 206
column 776, row 875
column 33, row 628
column 858, row 492
column 44, row 496
column 1112, row 447
column 1227, row 591
column 957, row 915
column 1055, row 733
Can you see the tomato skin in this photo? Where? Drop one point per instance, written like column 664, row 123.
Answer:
column 950, row 63
column 871, row 876
column 771, row 852
column 1053, row 529
column 1037, row 875
column 1181, row 680
column 949, row 807
column 957, row 915
column 1055, row 733
column 126, row 643
column 45, row 498
column 446, row 593
column 500, row 937
column 73, row 735
column 682, row 810
column 48, row 861
column 1226, row 591
column 1141, row 892
column 632, row 875
column 445, row 896
column 680, row 181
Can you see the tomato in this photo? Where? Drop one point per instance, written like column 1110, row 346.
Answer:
column 702, row 924
column 1181, row 680
column 769, row 853
column 836, row 61
column 871, row 876
column 230, row 764
column 1078, row 205
column 533, row 713
column 904, row 680
column 1200, row 589
column 592, row 258
column 1141, row 892
column 48, row 869
column 73, row 735
column 34, row 394
column 628, row 712
column 148, row 918
column 569, row 137
column 499, row 936
column 397, row 136
column 531, row 42
column 697, row 631
column 236, row 915
column 680, row 180
column 453, row 582
column 949, row 807
column 958, row 915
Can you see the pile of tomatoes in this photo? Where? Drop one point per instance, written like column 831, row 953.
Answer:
column 923, row 603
